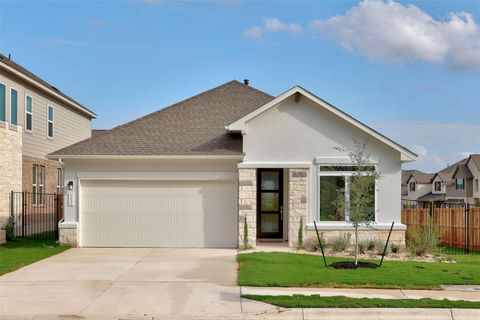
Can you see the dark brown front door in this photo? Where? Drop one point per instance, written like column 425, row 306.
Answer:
column 270, row 203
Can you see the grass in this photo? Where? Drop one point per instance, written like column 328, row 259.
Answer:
column 300, row 270
column 21, row 252
column 316, row 301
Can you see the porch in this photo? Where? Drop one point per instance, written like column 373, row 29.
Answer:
column 272, row 205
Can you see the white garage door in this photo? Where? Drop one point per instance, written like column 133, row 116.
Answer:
column 159, row 214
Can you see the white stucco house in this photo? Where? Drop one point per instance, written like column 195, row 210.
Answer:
column 192, row 174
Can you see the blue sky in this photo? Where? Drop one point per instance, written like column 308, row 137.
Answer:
column 409, row 69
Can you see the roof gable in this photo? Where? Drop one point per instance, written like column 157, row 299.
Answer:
column 240, row 124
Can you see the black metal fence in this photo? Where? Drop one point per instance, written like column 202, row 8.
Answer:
column 35, row 215
column 457, row 224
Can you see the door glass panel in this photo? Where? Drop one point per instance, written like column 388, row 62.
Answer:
column 269, row 201
column 269, row 223
column 270, row 180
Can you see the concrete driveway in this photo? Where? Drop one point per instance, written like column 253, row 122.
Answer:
column 114, row 282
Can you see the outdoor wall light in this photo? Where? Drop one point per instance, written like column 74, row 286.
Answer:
column 70, row 185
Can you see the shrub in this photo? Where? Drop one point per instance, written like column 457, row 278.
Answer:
column 370, row 245
column 380, row 246
column 300, row 234
column 246, row 246
column 9, row 229
column 423, row 239
column 362, row 247
column 341, row 243
column 395, row 248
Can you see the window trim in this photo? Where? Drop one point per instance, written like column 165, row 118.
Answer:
column 435, row 186
column 41, row 185
column 320, row 173
column 51, row 121
column 3, row 122
column 11, row 113
column 28, row 113
column 59, row 180
column 34, row 184
column 477, row 186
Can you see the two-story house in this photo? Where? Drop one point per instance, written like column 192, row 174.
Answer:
column 473, row 165
column 35, row 119
column 458, row 183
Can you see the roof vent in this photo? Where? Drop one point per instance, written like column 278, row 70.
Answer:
column 246, row 81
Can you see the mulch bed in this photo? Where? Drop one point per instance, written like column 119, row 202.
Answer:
column 351, row 265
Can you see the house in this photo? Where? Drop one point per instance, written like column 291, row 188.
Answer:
column 227, row 166
column 35, row 120
column 418, row 185
column 473, row 164
column 453, row 185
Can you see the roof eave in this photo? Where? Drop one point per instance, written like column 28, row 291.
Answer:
column 166, row 157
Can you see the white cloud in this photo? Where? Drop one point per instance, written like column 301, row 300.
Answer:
column 254, row 32
column 271, row 25
column 397, row 33
column 437, row 144
column 275, row 25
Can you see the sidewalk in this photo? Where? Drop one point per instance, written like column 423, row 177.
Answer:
column 451, row 293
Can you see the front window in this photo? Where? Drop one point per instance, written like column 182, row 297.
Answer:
column 38, row 182
column 412, row 186
column 50, row 122
column 28, row 113
column 438, row 186
column 3, row 103
column 460, row 184
column 344, row 190
column 13, row 106
column 59, row 181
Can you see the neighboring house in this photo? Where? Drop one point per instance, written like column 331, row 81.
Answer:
column 418, row 185
column 35, row 120
column 455, row 184
column 473, row 164
column 192, row 174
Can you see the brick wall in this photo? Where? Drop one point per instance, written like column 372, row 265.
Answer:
column 10, row 168
column 50, row 173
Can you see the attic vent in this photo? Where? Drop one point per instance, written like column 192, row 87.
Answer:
column 55, row 89
column 246, row 81
column 298, row 95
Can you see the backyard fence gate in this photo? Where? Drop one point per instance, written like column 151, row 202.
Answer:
column 35, row 215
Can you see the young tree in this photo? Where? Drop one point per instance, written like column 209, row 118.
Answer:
column 357, row 200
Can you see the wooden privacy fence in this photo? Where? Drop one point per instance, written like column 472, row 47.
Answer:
column 458, row 227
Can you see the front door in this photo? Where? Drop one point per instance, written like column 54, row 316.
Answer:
column 270, row 203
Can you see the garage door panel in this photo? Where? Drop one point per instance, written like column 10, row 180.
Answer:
column 159, row 213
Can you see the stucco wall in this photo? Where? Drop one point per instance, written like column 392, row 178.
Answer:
column 300, row 132
column 10, row 168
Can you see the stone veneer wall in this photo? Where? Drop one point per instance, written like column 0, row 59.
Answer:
column 10, row 168
column 247, row 206
column 397, row 237
column 68, row 236
column 297, row 204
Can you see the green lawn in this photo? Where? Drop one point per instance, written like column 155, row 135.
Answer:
column 19, row 253
column 316, row 301
column 301, row 270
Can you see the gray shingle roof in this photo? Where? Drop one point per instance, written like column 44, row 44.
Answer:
column 195, row 126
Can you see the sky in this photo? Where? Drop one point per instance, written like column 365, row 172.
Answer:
column 410, row 69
